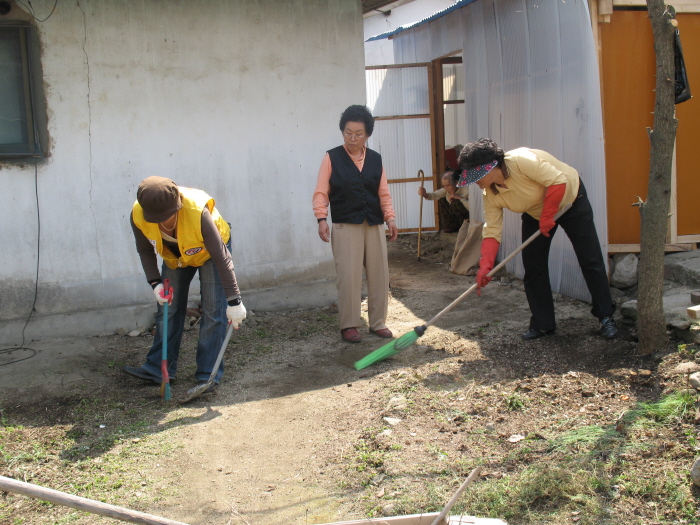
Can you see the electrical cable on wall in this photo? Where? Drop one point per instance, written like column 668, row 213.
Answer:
column 30, row 9
column 21, row 349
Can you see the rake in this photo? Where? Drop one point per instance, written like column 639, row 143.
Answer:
column 407, row 340
column 165, row 382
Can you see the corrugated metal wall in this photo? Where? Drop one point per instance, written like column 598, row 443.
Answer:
column 404, row 143
column 531, row 79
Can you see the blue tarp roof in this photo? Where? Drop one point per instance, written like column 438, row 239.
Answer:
column 457, row 5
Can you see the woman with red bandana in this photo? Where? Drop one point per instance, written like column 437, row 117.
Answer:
column 537, row 185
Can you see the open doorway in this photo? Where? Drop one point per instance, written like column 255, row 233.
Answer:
column 420, row 117
column 449, row 131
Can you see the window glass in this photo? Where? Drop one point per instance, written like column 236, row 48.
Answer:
column 16, row 120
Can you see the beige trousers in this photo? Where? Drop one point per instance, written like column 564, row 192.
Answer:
column 358, row 246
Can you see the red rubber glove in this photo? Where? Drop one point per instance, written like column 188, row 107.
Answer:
column 552, row 199
column 489, row 250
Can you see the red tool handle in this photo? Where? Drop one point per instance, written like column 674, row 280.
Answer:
column 167, row 291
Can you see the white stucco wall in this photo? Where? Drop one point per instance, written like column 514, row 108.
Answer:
column 240, row 99
column 381, row 52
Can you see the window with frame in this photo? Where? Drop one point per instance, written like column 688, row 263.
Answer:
column 19, row 136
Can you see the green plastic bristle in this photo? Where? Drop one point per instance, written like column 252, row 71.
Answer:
column 391, row 348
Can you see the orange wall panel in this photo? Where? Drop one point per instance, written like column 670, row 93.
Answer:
column 688, row 135
column 628, row 67
column 629, row 76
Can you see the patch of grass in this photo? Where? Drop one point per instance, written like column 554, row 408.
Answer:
column 369, row 454
column 675, row 406
column 436, row 451
column 514, row 402
column 687, row 350
column 533, row 494
column 596, row 474
column 585, row 438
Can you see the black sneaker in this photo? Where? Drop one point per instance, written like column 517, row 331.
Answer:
column 141, row 373
column 608, row 327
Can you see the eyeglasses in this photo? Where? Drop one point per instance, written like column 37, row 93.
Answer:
column 357, row 135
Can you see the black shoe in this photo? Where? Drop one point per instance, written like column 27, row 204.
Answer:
column 534, row 333
column 608, row 327
column 141, row 373
column 211, row 389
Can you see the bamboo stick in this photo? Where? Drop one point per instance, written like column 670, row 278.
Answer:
column 84, row 504
column 453, row 499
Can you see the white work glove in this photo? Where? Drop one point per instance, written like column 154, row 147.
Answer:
column 236, row 314
column 159, row 292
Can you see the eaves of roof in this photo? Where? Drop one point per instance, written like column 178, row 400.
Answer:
column 389, row 34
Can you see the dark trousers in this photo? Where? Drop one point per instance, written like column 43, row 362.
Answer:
column 452, row 214
column 579, row 227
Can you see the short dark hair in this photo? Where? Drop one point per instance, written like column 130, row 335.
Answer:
column 358, row 113
column 480, row 152
column 453, row 175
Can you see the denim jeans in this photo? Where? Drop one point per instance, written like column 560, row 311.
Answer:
column 213, row 324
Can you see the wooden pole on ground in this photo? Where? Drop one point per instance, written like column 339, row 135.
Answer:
column 420, row 213
column 84, row 504
column 457, row 494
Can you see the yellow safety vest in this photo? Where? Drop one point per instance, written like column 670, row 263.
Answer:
column 189, row 229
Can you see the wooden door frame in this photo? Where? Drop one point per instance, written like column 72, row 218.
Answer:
column 437, row 128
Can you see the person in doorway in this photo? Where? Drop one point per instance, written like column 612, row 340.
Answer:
column 190, row 235
column 353, row 181
column 537, row 185
column 453, row 201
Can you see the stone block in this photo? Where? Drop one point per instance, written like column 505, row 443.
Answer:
column 694, row 297
column 625, row 274
column 694, row 311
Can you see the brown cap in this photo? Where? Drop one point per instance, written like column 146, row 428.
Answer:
column 159, row 198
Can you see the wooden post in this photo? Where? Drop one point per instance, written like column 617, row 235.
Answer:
column 84, row 504
column 420, row 212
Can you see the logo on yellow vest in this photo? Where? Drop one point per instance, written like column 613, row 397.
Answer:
column 192, row 251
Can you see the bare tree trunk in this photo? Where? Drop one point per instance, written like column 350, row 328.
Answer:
column 651, row 324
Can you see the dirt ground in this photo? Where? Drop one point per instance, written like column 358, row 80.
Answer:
column 281, row 441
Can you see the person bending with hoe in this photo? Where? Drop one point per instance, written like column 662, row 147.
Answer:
column 537, row 185
column 190, row 235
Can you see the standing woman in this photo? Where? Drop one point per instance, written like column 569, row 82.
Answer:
column 353, row 181
column 537, row 185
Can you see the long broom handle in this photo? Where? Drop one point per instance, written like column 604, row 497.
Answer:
column 453, row 499
column 420, row 213
column 219, row 357
column 166, row 304
column 84, row 504
column 498, row 267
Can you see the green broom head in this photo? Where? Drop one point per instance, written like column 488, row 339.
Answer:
column 391, row 348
